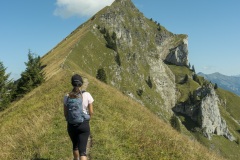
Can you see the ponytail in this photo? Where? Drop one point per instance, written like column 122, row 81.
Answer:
column 76, row 90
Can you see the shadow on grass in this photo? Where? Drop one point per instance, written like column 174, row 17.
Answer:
column 188, row 122
column 238, row 131
column 37, row 157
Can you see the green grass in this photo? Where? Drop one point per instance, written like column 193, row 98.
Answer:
column 183, row 88
column 34, row 127
column 232, row 102
column 121, row 128
column 221, row 145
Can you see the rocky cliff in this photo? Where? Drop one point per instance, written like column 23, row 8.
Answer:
column 211, row 120
column 206, row 113
column 143, row 47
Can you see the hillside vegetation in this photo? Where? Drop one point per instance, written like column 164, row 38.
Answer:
column 131, row 117
column 34, row 127
column 229, row 108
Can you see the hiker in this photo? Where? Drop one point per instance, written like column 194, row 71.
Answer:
column 78, row 125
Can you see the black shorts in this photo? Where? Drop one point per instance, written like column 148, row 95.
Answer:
column 79, row 134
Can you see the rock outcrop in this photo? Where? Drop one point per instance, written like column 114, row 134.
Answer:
column 211, row 120
column 207, row 113
column 179, row 54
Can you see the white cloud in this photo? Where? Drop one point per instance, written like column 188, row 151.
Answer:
column 208, row 69
column 80, row 8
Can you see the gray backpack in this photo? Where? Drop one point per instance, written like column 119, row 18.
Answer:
column 75, row 110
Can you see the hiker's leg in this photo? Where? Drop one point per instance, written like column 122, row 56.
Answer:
column 76, row 154
column 83, row 158
column 83, row 140
column 72, row 131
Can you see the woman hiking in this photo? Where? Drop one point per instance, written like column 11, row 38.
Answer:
column 78, row 110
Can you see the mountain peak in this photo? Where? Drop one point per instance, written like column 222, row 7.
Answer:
column 124, row 3
column 132, row 51
column 212, row 74
column 217, row 73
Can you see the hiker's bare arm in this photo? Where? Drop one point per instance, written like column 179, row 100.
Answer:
column 90, row 109
column 65, row 112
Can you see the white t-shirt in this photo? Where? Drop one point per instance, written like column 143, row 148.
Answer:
column 87, row 99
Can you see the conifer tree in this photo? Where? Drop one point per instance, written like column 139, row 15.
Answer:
column 31, row 77
column 193, row 98
column 185, row 78
column 189, row 65
column 159, row 27
column 215, row 86
column 175, row 123
column 6, row 88
column 193, row 69
column 101, row 75
column 103, row 30
column 111, row 41
column 139, row 92
column 117, row 59
column 149, row 82
column 196, row 79
column 114, row 36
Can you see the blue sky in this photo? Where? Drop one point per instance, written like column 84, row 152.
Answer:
column 212, row 27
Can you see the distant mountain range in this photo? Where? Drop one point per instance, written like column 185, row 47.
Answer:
column 230, row 83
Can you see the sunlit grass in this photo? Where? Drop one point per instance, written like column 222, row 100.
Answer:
column 121, row 128
column 34, row 127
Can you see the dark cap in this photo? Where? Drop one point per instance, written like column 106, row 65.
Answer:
column 77, row 80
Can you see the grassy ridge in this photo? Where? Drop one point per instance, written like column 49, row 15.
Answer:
column 34, row 127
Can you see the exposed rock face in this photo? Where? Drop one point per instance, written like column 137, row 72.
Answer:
column 143, row 47
column 211, row 120
column 207, row 114
column 179, row 54
column 165, row 83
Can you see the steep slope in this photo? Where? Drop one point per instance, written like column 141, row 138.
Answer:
column 136, row 50
column 34, row 127
column 230, row 83
column 133, row 51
